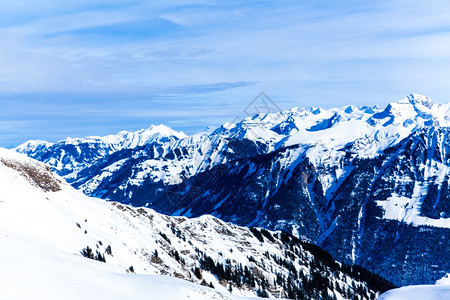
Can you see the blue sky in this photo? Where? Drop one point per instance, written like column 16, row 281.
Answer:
column 79, row 68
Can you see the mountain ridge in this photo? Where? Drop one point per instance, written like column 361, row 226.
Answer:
column 303, row 171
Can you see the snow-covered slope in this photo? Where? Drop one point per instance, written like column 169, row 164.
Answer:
column 40, row 243
column 439, row 291
column 32, row 270
column 46, row 225
column 418, row 292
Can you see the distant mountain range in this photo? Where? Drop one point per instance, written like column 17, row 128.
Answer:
column 368, row 184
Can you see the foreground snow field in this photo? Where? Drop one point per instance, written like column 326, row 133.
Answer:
column 440, row 291
column 32, row 270
column 418, row 292
column 40, row 243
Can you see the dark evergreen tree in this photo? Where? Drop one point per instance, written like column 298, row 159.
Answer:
column 87, row 252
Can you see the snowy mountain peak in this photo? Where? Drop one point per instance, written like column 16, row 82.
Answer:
column 420, row 99
column 123, row 139
column 164, row 130
column 413, row 112
column 126, row 139
column 33, row 145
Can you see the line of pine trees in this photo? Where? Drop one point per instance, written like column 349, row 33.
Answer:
column 320, row 283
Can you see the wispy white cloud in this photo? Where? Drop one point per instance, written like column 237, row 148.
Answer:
column 299, row 52
column 222, row 43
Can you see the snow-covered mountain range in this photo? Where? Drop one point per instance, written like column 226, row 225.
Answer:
column 369, row 184
column 46, row 227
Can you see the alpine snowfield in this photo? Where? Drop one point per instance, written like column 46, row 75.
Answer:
column 40, row 244
column 33, row 270
column 439, row 291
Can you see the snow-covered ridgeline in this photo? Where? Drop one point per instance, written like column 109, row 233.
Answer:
column 74, row 154
column 368, row 129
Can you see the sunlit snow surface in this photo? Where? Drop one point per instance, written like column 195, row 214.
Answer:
column 440, row 291
column 31, row 270
column 408, row 210
column 40, row 243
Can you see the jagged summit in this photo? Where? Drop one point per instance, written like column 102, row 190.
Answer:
column 164, row 130
column 33, row 145
column 129, row 139
column 420, row 99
